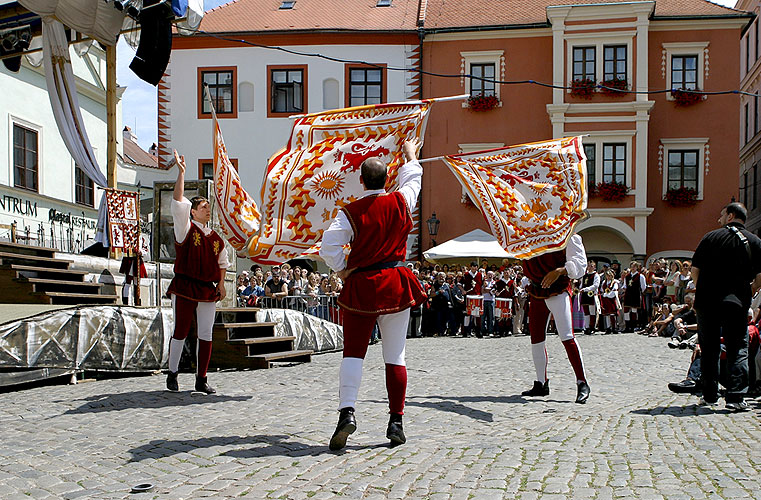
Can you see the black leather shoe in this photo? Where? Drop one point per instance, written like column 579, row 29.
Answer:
column 686, row 386
column 395, row 431
column 203, row 386
column 539, row 389
column 582, row 393
column 347, row 424
column 171, row 382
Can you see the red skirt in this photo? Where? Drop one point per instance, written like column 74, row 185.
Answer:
column 384, row 291
column 608, row 306
column 198, row 291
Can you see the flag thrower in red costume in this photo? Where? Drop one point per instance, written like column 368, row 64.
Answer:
column 532, row 196
column 379, row 287
column 199, row 279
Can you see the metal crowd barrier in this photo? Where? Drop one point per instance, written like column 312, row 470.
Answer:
column 323, row 306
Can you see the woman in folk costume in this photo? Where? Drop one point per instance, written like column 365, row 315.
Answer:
column 549, row 291
column 379, row 288
column 199, row 279
column 609, row 302
column 634, row 288
column 590, row 302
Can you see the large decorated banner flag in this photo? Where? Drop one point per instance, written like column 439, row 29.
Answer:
column 239, row 216
column 531, row 195
column 309, row 181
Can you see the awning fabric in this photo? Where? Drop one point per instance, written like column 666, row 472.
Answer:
column 477, row 243
column 94, row 18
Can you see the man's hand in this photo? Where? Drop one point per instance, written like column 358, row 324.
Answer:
column 553, row 276
column 409, row 149
column 344, row 273
column 180, row 160
column 221, row 291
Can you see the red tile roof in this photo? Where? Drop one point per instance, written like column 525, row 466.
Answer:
column 363, row 15
column 265, row 15
column 136, row 155
column 448, row 14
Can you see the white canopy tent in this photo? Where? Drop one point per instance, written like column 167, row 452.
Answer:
column 475, row 244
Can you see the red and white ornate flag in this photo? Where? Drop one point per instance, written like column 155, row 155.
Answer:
column 531, row 195
column 123, row 222
column 238, row 214
column 318, row 173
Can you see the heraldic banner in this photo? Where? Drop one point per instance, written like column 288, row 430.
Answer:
column 312, row 178
column 531, row 195
column 123, row 222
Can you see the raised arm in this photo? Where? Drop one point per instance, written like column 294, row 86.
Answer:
column 411, row 173
column 179, row 186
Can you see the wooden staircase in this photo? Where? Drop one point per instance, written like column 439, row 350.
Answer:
column 240, row 342
column 32, row 275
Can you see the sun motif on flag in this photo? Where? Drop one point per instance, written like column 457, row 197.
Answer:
column 328, row 184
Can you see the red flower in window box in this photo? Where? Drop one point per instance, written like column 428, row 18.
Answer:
column 482, row 102
column 611, row 191
column 614, row 86
column 686, row 97
column 681, row 197
column 583, row 88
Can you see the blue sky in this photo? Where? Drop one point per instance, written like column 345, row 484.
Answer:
column 139, row 103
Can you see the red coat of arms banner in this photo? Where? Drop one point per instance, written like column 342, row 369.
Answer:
column 531, row 195
column 123, row 222
column 312, row 178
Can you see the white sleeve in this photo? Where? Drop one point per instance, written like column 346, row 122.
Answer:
column 181, row 218
column 333, row 240
column 642, row 282
column 596, row 283
column 575, row 257
column 223, row 262
column 409, row 176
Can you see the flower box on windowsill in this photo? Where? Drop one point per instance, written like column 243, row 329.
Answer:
column 615, row 87
column 482, row 102
column 686, row 97
column 681, row 197
column 583, row 88
column 610, row 191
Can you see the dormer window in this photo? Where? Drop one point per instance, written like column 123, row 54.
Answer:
column 287, row 4
column 383, row 3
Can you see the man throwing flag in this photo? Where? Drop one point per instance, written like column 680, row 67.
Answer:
column 550, row 292
column 379, row 287
column 199, row 279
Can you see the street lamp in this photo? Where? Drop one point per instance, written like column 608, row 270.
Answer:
column 433, row 227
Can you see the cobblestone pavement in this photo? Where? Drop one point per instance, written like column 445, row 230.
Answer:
column 470, row 433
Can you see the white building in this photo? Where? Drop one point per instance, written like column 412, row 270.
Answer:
column 256, row 89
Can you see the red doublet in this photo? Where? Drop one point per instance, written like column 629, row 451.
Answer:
column 381, row 224
column 537, row 268
column 196, row 267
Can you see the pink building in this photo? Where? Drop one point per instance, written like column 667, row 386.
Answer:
column 652, row 143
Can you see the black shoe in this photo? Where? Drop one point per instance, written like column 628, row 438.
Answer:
column 203, row 386
column 395, row 431
column 582, row 393
column 171, row 382
column 686, row 386
column 347, row 424
column 539, row 389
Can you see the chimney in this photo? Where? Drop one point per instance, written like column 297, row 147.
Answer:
column 153, row 150
column 128, row 135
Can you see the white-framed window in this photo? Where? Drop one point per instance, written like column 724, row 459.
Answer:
column 684, row 164
column 25, row 154
column 482, row 63
column 609, row 156
column 472, row 148
column 611, row 52
column 685, row 66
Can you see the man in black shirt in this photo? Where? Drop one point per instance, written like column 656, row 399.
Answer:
column 725, row 263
